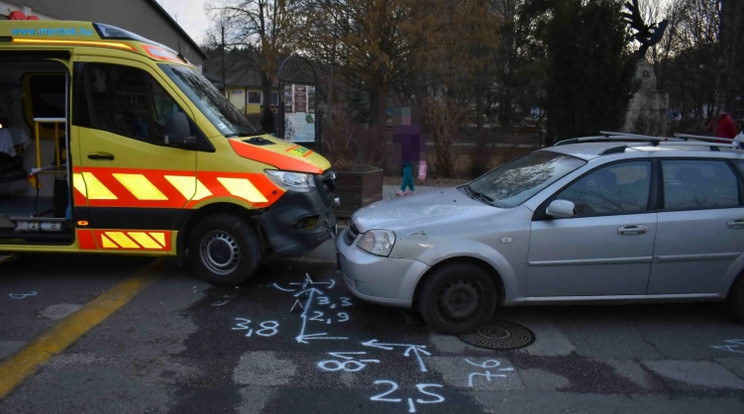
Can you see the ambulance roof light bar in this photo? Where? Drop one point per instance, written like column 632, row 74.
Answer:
column 106, row 31
column 159, row 51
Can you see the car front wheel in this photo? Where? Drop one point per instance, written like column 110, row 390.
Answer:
column 224, row 249
column 458, row 298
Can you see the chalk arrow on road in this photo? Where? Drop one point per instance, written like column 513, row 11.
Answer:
column 411, row 349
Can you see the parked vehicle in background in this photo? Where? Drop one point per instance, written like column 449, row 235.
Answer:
column 614, row 218
column 123, row 147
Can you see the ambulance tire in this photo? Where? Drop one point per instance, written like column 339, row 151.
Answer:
column 224, row 249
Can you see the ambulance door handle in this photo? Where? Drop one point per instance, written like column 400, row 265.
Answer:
column 101, row 156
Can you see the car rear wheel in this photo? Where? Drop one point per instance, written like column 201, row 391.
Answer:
column 735, row 299
column 458, row 298
column 224, row 249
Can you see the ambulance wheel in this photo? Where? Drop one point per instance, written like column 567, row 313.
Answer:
column 224, row 249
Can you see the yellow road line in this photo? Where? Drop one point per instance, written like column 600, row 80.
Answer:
column 55, row 340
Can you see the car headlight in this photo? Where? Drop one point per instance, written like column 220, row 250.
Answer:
column 291, row 180
column 377, row 242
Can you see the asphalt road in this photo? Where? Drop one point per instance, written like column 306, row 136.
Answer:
column 101, row 334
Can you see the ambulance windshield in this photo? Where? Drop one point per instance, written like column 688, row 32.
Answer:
column 223, row 114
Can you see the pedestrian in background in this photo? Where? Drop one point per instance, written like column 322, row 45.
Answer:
column 722, row 125
column 408, row 145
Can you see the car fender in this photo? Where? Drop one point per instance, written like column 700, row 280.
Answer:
column 513, row 287
column 732, row 274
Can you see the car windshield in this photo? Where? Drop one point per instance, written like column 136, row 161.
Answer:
column 515, row 182
column 220, row 112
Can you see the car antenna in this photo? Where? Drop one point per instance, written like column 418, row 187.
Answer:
column 179, row 51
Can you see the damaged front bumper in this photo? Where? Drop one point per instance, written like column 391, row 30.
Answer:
column 300, row 221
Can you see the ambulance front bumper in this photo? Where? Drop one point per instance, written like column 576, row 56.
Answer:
column 298, row 223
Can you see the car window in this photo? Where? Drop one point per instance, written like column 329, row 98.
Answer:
column 699, row 184
column 220, row 112
column 615, row 189
column 123, row 100
column 513, row 183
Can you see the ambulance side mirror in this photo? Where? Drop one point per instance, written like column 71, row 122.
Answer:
column 178, row 130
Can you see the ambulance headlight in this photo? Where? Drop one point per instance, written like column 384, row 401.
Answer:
column 292, row 181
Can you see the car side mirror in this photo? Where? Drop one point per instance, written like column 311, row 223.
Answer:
column 561, row 209
column 178, row 130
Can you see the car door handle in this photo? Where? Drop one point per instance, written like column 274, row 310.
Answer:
column 632, row 230
column 736, row 224
column 101, row 156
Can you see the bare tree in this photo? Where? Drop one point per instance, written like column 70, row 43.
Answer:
column 373, row 42
column 732, row 56
column 689, row 68
column 266, row 30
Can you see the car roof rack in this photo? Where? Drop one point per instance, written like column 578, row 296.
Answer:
column 714, row 143
column 609, row 136
column 708, row 138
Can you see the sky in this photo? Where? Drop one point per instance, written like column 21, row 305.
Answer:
column 189, row 14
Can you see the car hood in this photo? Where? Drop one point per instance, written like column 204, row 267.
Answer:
column 425, row 210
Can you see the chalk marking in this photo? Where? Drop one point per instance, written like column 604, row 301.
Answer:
column 349, row 364
column 422, row 388
column 296, row 305
column 54, row 341
column 303, row 285
column 224, row 300
column 276, row 285
column 268, row 328
column 383, row 396
column 308, row 292
column 345, row 355
column 488, row 375
column 19, row 296
column 416, row 350
column 303, row 338
column 737, row 347
column 489, row 364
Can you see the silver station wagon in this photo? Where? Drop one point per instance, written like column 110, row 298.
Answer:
column 612, row 218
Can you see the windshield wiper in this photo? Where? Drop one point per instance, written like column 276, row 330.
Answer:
column 479, row 195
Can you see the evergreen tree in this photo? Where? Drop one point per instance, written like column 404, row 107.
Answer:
column 590, row 71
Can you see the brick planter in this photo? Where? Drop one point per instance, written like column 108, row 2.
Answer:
column 356, row 189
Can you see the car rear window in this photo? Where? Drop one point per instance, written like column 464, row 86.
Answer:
column 699, row 184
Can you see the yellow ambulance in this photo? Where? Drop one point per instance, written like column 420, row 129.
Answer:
column 112, row 143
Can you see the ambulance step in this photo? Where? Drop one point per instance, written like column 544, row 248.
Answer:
column 7, row 257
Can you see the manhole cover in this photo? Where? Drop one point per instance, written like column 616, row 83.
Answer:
column 500, row 335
